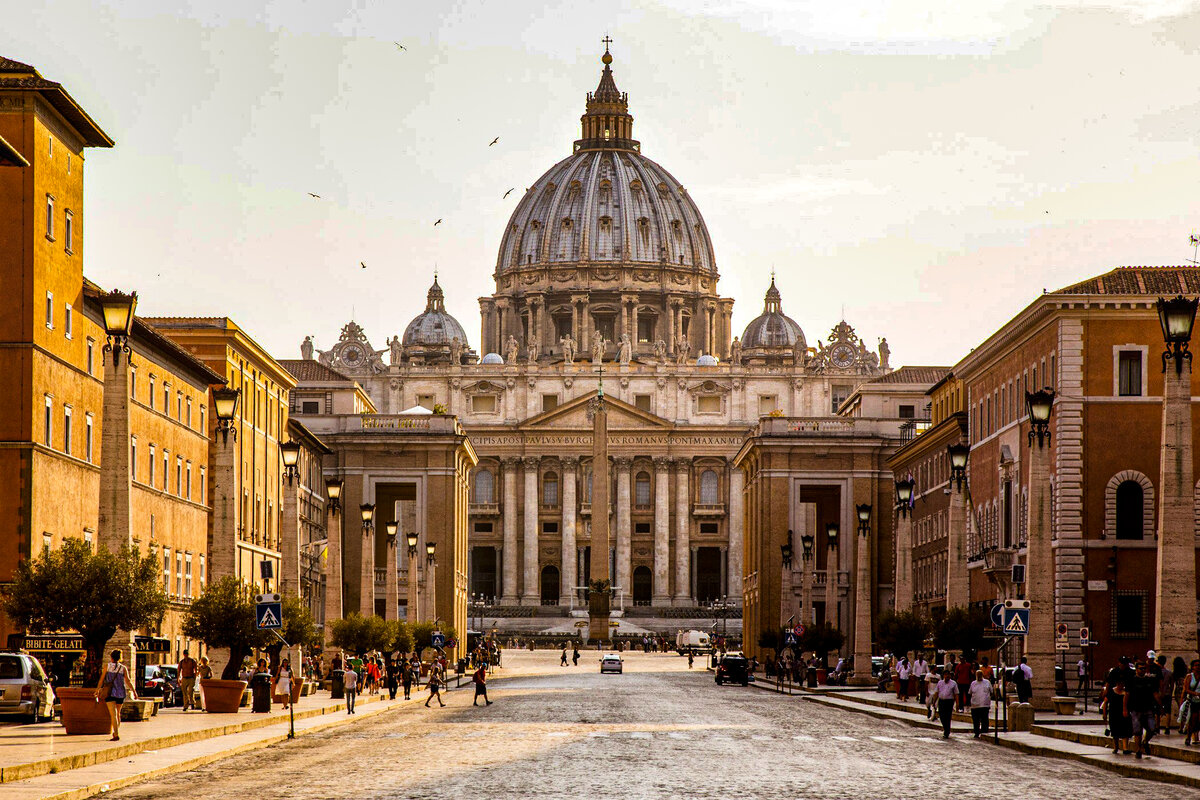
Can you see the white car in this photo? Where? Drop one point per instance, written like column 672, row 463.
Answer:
column 611, row 662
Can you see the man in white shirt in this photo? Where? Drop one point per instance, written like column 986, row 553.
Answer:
column 903, row 673
column 350, row 681
column 919, row 671
column 947, row 691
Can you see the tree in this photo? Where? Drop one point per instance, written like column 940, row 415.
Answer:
column 299, row 629
column 422, row 633
column 900, row 632
column 96, row 593
column 962, row 629
column 769, row 640
column 821, row 639
column 358, row 634
column 403, row 641
column 224, row 617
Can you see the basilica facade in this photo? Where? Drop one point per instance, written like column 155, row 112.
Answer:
column 606, row 276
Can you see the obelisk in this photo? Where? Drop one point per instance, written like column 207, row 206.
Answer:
column 599, row 585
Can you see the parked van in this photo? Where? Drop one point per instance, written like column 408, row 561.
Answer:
column 696, row 641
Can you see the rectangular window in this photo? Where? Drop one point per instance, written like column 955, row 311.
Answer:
column 50, row 310
column 167, row 570
column 641, row 527
column 151, row 394
column 188, row 491
column 91, row 356
column 203, row 420
column 767, row 403
column 642, row 401
column 310, row 407
column 179, row 406
column 153, row 469
column 202, row 575
column 838, row 395
column 166, row 468
column 1129, row 617
column 89, row 424
column 178, row 476
column 483, row 527
column 480, row 403
column 187, row 575
column 68, row 321
column 549, row 402
column 549, row 527
column 133, row 458
column 69, row 233
column 426, row 401
column 166, row 398
column 907, row 412
column 178, row 574
column 67, row 430
column 189, row 412
column 50, row 217
column 708, row 404
column 203, row 485
column 710, row 527
column 47, row 423
column 1129, row 373
column 641, row 493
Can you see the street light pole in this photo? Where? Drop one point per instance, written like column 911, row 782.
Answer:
column 832, row 574
column 903, row 584
column 862, row 598
column 414, row 613
column 1039, row 577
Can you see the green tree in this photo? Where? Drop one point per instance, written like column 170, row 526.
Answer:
column 900, row 632
column 358, row 634
column 821, row 639
column 769, row 640
column 96, row 593
column 299, row 629
column 962, row 629
column 223, row 617
column 422, row 633
column 403, row 641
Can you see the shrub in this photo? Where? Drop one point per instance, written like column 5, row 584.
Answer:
column 223, row 617
column 900, row 632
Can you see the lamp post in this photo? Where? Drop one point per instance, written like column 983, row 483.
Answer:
column 289, row 527
column 808, row 614
column 431, row 579
column 116, row 467
column 366, row 579
column 290, row 452
column 333, row 552
column 832, row 573
column 787, row 586
column 903, row 583
column 391, row 580
column 1175, row 588
column 957, row 578
column 225, row 403
column 118, row 309
column 1039, row 553
column 862, row 598
column 414, row 613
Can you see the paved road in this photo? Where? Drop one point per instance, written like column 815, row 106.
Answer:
column 658, row 731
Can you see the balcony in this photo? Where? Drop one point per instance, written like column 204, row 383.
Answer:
column 708, row 509
column 380, row 577
column 913, row 428
column 998, row 562
column 483, row 509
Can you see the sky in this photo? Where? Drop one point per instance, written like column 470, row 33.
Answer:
column 923, row 170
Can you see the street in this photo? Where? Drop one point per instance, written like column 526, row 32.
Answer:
column 657, row 731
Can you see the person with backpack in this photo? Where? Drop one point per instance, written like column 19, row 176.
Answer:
column 434, row 686
column 112, row 690
column 480, row 679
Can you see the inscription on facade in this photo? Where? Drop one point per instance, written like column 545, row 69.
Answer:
column 616, row 440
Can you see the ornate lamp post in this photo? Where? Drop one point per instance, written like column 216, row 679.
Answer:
column 414, row 613
column 290, row 452
column 431, row 578
column 366, row 581
column 808, row 615
column 225, row 403
column 903, row 584
column 333, row 551
column 831, row 576
column 957, row 579
column 289, row 528
column 958, row 454
column 1039, row 577
column 862, row 598
column 333, row 493
column 391, row 580
column 117, row 309
column 115, row 456
column 1175, row 589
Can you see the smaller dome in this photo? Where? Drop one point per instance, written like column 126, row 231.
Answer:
column 706, row 360
column 492, row 358
column 773, row 328
column 434, row 328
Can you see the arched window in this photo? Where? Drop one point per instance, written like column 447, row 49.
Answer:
column 550, row 489
column 708, row 487
column 587, row 487
column 641, row 485
column 1130, row 501
column 484, row 486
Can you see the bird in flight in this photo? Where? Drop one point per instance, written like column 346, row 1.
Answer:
column 402, row 47
column 310, row 194
column 362, row 264
column 439, row 222
column 493, row 141
column 506, row 194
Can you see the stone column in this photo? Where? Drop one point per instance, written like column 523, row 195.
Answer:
column 633, row 323
column 289, row 539
column 366, row 583
column 831, row 588
column 670, row 315
column 862, row 610
column 226, row 507
column 957, row 579
column 737, row 520
column 333, row 568
column 509, row 571
column 624, row 530
column 530, row 594
column 806, row 522
column 391, row 581
column 904, row 580
column 683, row 550
column 1175, row 590
column 662, row 532
column 116, row 471
column 413, row 586
column 570, row 575
column 1039, row 579
column 431, row 604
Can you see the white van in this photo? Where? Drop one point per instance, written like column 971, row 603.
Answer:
column 696, row 641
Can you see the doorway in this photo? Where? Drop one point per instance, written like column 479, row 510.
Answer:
column 643, row 582
column 550, row 585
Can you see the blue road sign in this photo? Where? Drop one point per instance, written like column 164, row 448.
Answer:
column 789, row 640
column 1016, row 621
column 998, row 615
column 439, row 639
column 268, row 616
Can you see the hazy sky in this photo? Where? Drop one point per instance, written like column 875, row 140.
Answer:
column 928, row 167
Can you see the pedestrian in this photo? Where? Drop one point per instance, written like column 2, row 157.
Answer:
column 205, row 669
column 480, row 678
column 1166, row 693
column 112, row 690
column 1189, row 706
column 187, row 680
column 575, row 655
column 947, row 692
column 691, row 658
column 931, row 681
column 981, row 703
column 406, row 678
column 964, row 672
column 1141, row 704
column 393, row 676
column 563, row 661
column 919, row 671
column 1081, row 670
column 434, row 686
column 1023, row 674
column 350, row 686
column 903, row 673
column 283, row 682
column 1113, row 708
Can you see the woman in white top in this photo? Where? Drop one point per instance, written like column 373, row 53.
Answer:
column 283, row 682
column 113, row 688
column 981, row 702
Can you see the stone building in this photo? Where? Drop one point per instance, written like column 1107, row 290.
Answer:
column 606, row 265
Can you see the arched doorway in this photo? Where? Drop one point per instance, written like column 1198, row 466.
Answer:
column 643, row 584
column 550, row 585
column 708, row 574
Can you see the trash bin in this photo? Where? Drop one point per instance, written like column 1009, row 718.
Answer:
column 461, row 668
column 337, row 684
column 812, row 677
column 260, row 689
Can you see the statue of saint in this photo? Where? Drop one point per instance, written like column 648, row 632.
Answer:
column 682, row 349
column 735, row 352
column 568, row 349
column 534, row 349
column 512, row 350
column 660, row 351
column 597, row 348
column 306, row 348
column 625, row 349
column 396, row 351
column 885, row 353
column 456, row 350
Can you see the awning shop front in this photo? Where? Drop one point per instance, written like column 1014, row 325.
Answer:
column 152, row 644
column 46, row 643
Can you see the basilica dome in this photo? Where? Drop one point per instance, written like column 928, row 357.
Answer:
column 606, row 203
column 773, row 328
column 434, row 328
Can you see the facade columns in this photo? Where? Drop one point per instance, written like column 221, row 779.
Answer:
column 570, row 575
column 1175, row 590
column 904, row 580
column 683, row 550
column 662, row 532
column 624, row 529
column 530, row 595
column 957, row 579
column 509, row 570
column 115, row 456
column 1039, row 580
column 333, row 568
column 737, row 520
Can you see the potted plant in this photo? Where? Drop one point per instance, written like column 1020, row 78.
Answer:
column 223, row 617
column 95, row 593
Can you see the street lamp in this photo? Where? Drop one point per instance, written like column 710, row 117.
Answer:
column 411, row 539
column 117, row 309
column 368, row 515
column 430, row 551
column 290, row 451
column 225, row 403
column 1176, row 318
column 864, row 518
column 904, row 493
column 958, row 463
column 831, row 534
column 1039, row 404
column 806, row 543
column 390, row 529
column 333, row 490
column 785, row 551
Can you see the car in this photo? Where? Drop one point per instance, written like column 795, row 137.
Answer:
column 733, row 668
column 611, row 662
column 162, row 680
column 24, row 687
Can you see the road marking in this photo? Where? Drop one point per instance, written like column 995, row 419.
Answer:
column 803, row 737
column 557, row 733
column 639, row 735
column 674, row 735
column 845, row 738
column 884, row 739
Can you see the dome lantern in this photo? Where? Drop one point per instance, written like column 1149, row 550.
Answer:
column 432, row 334
column 607, row 123
column 773, row 330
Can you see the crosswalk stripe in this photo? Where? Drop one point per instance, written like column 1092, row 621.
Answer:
column 884, row 739
column 803, row 737
column 845, row 738
column 678, row 735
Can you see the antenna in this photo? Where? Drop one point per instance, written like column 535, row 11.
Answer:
column 1195, row 249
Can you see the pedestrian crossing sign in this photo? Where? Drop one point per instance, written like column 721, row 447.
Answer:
column 268, row 616
column 790, row 640
column 1016, row 621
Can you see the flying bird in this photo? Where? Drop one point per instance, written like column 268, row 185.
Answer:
column 310, row 194
column 506, row 194
column 439, row 222
column 493, row 141
column 362, row 264
column 402, row 47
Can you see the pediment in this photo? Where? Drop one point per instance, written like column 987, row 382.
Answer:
column 709, row 386
column 573, row 415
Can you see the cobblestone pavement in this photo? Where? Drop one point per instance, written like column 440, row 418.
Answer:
column 658, row 731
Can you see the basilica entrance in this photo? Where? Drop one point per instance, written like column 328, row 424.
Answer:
column 708, row 574
column 550, row 585
column 643, row 582
column 483, row 572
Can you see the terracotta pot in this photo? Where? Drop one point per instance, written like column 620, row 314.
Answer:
column 80, row 711
column 297, row 688
column 222, row 697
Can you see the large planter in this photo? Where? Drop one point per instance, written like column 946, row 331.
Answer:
column 298, row 685
column 81, row 713
column 222, row 697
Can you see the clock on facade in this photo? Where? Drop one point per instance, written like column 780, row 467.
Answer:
column 352, row 355
column 842, row 356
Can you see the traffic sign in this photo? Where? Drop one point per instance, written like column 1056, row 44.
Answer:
column 268, row 616
column 998, row 615
column 798, row 630
column 790, row 640
column 438, row 639
column 1016, row 617
column 1085, row 637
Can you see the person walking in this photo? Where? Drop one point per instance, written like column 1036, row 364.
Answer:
column 964, row 673
column 1113, row 708
column 903, row 672
column 480, row 678
column 1189, row 706
column 931, row 681
column 350, row 686
column 283, row 682
column 187, row 680
column 406, row 678
column 563, row 661
column 435, row 685
column 920, row 669
column 981, row 703
column 947, row 693
column 1023, row 674
column 1141, row 705
column 112, row 690
column 691, row 658
column 575, row 655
